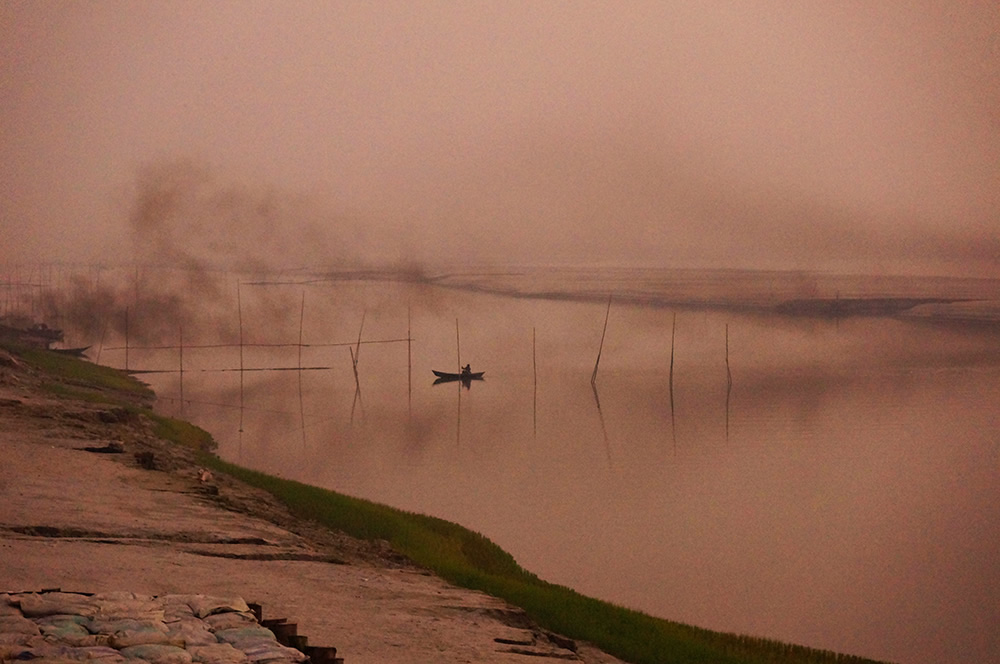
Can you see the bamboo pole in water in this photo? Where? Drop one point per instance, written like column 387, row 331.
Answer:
column 673, row 335
column 729, row 375
column 302, row 315
column 729, row 381
column 607, row 314
column 356, row 354
column 357, row 350
column 673, row 425
column 534, row 358
column 354, row 365
column 126, row 338
column 180, row 349
column 409, row 361
column 302, row 410
column 31, row 292
column 458, row 384
column 357, row 385
column 534, row 376
column 239, row 313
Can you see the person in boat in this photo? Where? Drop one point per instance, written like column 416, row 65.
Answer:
column 467, row 370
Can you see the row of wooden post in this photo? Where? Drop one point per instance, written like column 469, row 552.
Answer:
column 673, row 334
column 356, row 350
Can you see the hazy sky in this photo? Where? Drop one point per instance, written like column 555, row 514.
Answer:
column 843, row 135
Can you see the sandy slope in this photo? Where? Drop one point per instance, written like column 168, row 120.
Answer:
column 90, row 522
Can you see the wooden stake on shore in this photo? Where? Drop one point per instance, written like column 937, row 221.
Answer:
column 607, row 314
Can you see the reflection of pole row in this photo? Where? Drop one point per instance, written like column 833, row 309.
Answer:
column 673, row 335
column 353, row 346
column 227, row 406
column 314, row 417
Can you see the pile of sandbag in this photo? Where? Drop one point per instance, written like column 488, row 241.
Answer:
column 114, row 627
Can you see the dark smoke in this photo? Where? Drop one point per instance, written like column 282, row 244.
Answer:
column 195, row 236
column 151, row 308
column 185, row 215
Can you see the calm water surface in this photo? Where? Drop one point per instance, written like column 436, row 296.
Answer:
column 843, row 493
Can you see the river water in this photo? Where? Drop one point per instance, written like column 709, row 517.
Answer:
column 832, row 481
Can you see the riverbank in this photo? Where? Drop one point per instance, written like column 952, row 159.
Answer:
column 99, row 496
column 94, row 501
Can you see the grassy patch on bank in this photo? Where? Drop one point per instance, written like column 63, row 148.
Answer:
column 183, row 433
column 70, row 377
column 470, row 560
column 73, row 377
column 457, row 554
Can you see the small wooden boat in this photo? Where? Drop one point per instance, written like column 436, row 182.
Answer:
column 446, row 376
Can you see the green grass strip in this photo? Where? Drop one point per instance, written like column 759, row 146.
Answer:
column 75, row 377
column 470, row 560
